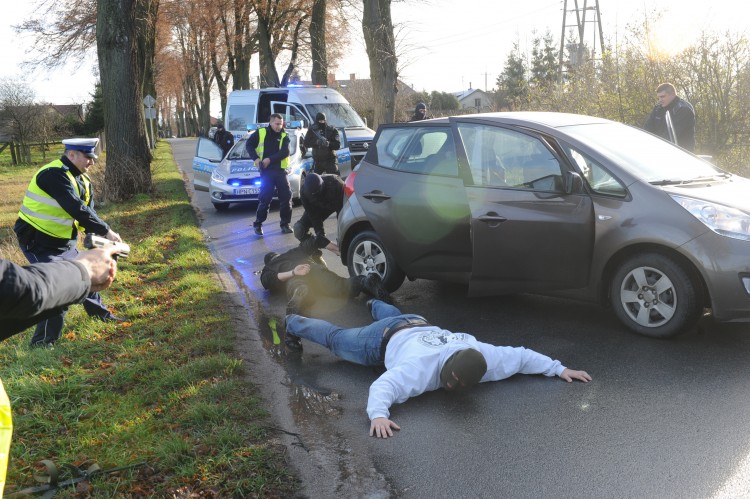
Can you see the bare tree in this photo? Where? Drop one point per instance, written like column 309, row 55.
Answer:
column 318, row 43
column 122, row 28
column 21, row 114
column 381, row 51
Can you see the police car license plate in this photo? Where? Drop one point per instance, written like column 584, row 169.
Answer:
column 246, row 191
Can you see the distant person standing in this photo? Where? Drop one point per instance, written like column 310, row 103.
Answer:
column 324, row 141
column 223, row 139
column 268, row 147
column 672, row 109
column 59, row 202
column 420, row 112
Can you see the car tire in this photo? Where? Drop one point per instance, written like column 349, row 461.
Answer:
column 656, row 296
column 221, row 206
column 368, row 254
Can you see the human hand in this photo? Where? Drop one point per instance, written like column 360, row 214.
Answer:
column 266, row 162
column 569, row 375
column 113, row 236
column 333, row 248
column 100, row 266
column 382, row 427
column 302, row 269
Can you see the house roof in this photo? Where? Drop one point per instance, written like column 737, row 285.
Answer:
column 466, row 93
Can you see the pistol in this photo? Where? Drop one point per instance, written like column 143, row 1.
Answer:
column 91, row 241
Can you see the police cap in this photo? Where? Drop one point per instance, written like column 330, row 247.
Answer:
column 86, row 146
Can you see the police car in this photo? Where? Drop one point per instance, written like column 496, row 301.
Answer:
column 236, row 179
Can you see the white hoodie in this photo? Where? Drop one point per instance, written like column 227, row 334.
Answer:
column 414, row 357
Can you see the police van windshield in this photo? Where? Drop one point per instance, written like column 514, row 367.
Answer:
column 240, row 116
column 339, row 115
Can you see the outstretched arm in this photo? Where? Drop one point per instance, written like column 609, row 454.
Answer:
column 569, row 375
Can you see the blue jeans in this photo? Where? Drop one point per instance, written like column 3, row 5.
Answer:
column 360, row 345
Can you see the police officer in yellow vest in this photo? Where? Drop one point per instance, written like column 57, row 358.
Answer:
column 269, row 148
column 59, row 203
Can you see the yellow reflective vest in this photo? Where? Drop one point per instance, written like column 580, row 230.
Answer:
column 6, row 432
column 44, row 213
column 262, row 143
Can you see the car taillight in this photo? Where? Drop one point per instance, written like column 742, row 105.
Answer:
column 349, row 184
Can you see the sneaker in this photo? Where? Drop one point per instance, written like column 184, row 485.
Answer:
column 298, row 300
column 114, row 318
column 258, row 229
column 285, row 229
column 374, row 286
column 293, row 343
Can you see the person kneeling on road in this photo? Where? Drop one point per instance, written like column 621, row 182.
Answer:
column 322, row 196
column 303, row 274
column 419, row 358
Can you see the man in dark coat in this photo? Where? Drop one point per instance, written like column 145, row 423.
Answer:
column 324, row 141
column 322, row 196
column 223, row 139
column 28, row 295
column 420, row 112
column 672, row 109
column 269, row 148
column 301, row 272
column 59, row 202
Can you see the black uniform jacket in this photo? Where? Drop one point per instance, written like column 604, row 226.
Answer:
column 323, row 205
column 56, row 183
column 31, row 294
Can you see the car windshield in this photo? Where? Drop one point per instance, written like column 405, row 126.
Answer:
column 642, row 154
column 339, row 114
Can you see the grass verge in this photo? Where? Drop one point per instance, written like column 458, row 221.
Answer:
column 166, row 387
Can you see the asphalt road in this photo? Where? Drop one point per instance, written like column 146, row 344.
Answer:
column 660, row 418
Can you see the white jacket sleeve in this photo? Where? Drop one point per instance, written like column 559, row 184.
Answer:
column 396, row 386
column 504, row 362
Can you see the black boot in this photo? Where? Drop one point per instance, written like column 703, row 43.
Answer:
column 374, row 286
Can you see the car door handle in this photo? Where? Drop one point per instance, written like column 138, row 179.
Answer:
column 492, row 219
column 376, row 196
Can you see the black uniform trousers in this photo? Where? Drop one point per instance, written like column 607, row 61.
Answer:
column 48, row 331
column 274, row 179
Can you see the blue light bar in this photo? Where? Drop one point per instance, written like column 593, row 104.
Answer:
column 235, row 184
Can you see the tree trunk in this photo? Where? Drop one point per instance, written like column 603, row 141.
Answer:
column 121, row 28
column 381, row 51
column 295, row 51
column 243, row 46
column 318, row 43
column 269, row 77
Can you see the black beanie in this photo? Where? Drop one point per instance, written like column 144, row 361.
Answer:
column 313, row 184
column 467, row 365
column 420, row 105
column 320, row 117
column 269, row 256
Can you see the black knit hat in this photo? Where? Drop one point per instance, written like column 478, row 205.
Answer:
column 313, row 184
column 463, row 370
column 320, row 117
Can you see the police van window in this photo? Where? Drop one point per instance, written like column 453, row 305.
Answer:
column 499, row 157
column 338, row 114
column 431, row 152
column 240, row 116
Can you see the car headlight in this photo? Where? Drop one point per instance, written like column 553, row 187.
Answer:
column 724, row 220
column 217, row 177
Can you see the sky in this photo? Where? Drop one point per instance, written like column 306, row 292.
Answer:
column 442, row 45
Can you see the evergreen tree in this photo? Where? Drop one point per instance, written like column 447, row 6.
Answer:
column 543, row 61
column 512, row 85
column 94, row 122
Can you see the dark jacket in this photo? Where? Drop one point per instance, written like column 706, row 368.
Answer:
column 324, row 156
column 29, row 295
column 306, row 252
column 683, row 122
column 274, row 148
column 321, row 206
column 55, row 182
column 224, row 139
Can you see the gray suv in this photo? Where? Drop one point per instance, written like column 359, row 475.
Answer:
column 556, row 204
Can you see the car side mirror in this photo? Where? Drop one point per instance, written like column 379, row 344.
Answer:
column 573, row 183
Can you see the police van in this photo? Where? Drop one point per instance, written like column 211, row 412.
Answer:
column 300, row 103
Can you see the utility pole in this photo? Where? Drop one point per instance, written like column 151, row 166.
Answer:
column 579, row 55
